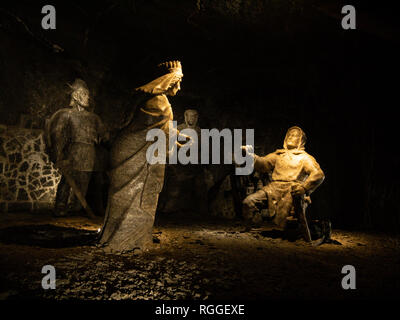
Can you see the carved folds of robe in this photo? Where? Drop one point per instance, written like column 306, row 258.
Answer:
column 134, row 183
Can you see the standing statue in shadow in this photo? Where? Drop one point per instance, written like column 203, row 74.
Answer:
column 135, row 184
column 72, row 135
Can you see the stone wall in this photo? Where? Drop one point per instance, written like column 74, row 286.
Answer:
column 28, row 180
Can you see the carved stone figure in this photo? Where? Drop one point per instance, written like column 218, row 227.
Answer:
column 191, row 119
column 184, row 185
column 72, row 134
column 294, row 175
column 134, row 183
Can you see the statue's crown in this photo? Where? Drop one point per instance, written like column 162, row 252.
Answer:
column 172, row 66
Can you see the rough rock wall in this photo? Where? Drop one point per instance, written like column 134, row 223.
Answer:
column 28, row 180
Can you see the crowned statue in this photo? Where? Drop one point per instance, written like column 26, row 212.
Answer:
column 135, row 183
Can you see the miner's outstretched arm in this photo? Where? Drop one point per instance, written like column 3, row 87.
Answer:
column 261, row 164
column 265, row 164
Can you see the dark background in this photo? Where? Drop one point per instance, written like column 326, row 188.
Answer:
column 259, row 64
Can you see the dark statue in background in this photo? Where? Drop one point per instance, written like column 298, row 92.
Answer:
column 191, row 120
column 185, row 189
column 72, row 135
column 134, row 183
column 294, row 175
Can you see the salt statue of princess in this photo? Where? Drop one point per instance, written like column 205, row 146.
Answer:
column 135, row 183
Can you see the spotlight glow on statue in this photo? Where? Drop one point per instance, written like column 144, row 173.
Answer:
column 135, row 183
column 138, row 163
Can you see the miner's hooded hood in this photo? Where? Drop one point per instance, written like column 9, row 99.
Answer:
column 302, row 140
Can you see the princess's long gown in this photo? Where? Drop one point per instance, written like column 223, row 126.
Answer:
column 134, row 183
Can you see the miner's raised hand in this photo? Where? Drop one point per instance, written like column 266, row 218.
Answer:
column 249, row 149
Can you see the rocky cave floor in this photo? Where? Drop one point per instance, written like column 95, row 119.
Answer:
column 193, row 258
